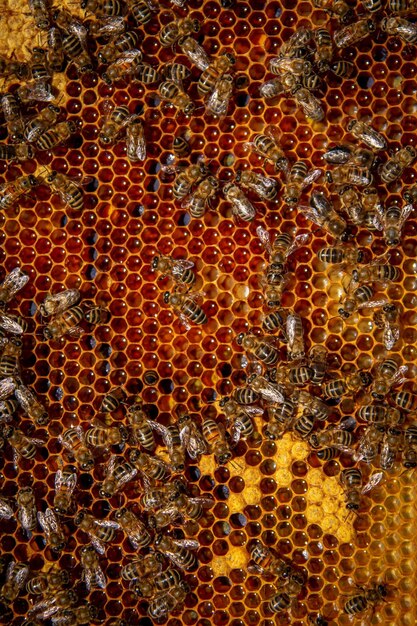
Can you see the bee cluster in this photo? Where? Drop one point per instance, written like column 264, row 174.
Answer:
column 150, row 126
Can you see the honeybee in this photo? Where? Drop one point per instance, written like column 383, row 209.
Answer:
column 215, row 435
column 13, row 117
column 324, row 49
column 317, row 620
column 13, row 189
column 32, row 407
column 79, row 616
column 185, row 306
column 151, row 467
column 391, row 445
column 16, row 575
column 269, row 391
column 186, row 177
column 272, row 88
column 65, row 483
column 22, row 445
column 124, row 66
column 281, row 419
column 365, row 133
column 54, row 304
column 282, row 247
column 179, row 509
column 393, row 220
column 173, row 92
column 337, row 8
column 317, row 362
column 217, row 68
column 410, row 195
column 368, row 445
column 142, row 432
column 103, row 8
column 350, row 175
column 57, row 134
column 65, row 323
column 296, row 43
column 267, row 146
column 152, row 586
column 135, row 142
column 350, row 384
column 40, row 70
column 166, row 602
column 352, row 482
column 178, row 269
column 99, row 531
column 92, row 574
column 352, row 203
column 261, row 348
column 379, row 414
column 41, row 123
column 37, row 90
column 178, row 551
column 73, row 440
column 7, row 410
column 16, row 152
column 6, row 511
column 299, row 177
column 176, row 72
column 195, row 53
column 178, row 30
column 9, row 68
column 294, row 333
column 120, row 43
column 311, row 403
column 286, row 66
column 134, row 528
column 322, row 213
column 40, row 13
column 358, row 298
column 388, row 374
column 351, row 34
column 241, row 206
column 12, row 324
column 118, row 119
column 263, row 186
column 309, row 104
column 26, row 511
column 68, row 190
column 53, row 532
column 141, row 10
column 387, row 319
column 9, row 360
column 172, row 440
column 406, row 400
column 368, row 598
column 181, row 147
column 104, row 436
column 156, row 498
column 112, row 400
column 191, row 437
column 48, row 582
column 267, row 563
column 219, row 99
column 59, row 601
column 239, row 420
column 118, row 473
column 148, row 565
column 56, row 56
column 407, row 31
column 394, row 167
column 75, row 48
column 200, row 198
column 332, row 437
column 291, row 374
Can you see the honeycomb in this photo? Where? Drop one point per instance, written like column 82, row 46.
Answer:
column 278, row 492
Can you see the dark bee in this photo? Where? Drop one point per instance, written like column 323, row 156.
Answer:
column 186, row 308
column 370, row 597
column 112, row 400
column 56, row 135
column 180, row 147
column 56, row 56
column 103, row 8
column 221, row 65
column 39, row 10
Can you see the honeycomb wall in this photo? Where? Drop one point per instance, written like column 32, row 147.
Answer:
column 277, row 492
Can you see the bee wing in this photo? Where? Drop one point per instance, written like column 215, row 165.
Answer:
column 254, row 410
column 373, row 481
column 372, row 303
column 265, row 238
column 399, row 378
column 57, row 303
column 184, row 320
column 75, row 332
column 405, row 212
column 97, row 544
column 24, row 397
column 7, row 386
column 160, row 428
column 128, row 56
column 10, row 325
column 298, row 242
column 40, row 91
column 236, row 432
column 44, row 523
column 311, row 214
column 109, row 26
column 180, row 265
column 6, row 511
column 21, row 576
column 14, row 281
column 273, row 133
column 87, row 576
column 105, row 523
column 290, row 326
column 127, row 476
column 100, row 578
column 190, row 544
column 170, row 169
column 69, row 481
column 136, row 144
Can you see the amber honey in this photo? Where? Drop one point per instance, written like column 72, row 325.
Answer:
column 277, row 492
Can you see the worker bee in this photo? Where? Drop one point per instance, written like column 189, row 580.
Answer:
column 53, row 532
column 368, row 445
column 191, row 437
column 175, row 72
column 352, row 203
column 178, row 269
column 118, row 473
column 393, row 220
column 219, row 99
column 48, row 582
column 104, row 436
column 388, row 374
column 135, row 142
column 79, row 616
column 117, row 119
column 9, row 360
column 239, row 419
column 272, row 88
column 52, row 604
column 314, row 405
column 65, row 323
column 148, row 565
column 6, row 511
column 37, row 90
column 351, row 480
column 156, row 498
column 286, row 65
column 293, row 46
column 73, row 440
column 317, row 362
column 200, row 198
column 394, row 167
column 7, row 410
column 263, row 186
column 368, row 598
column 26, row 510
column 379, row 414
column 391, row 445
column 178, row 551
column 407, row 31
column 172, row 440
column 178, row 30
column 142, row 432
column 40, row 70
column 92, row 574
column 146, row 74
column 269, row 391
column 57, row 303
column 134, row 528
column 322, row 213
column 241, row 206
column 103, row 8
column 124, row 66
column 65, row 483
column 387, row 320
column 56, row 56
column 152, row 467
column 173, row 92
column 324, row 49
column 351, row 34
column 16, row 152
column 121, row 43
column 99, row 531
column 22, row 445
column 291, row 374
column 180, row 146
column 340, row 254
column 32, row 407
column 365, row 133
column 299, row 177
column 332, row 437
column 261, row 348
column 13, row 117
column 77, row 52
column 13, row 189
column 245, row 395
column 350, row 384
column 185, row 306
column 376, row 271
column 410, row 195
column 153, row 585
column 358, row 298
column 294, row 333
column 214, row 433
column 16, row 575
column 265, row 562
column 186, row 177
column 112, row 400
column 195, row 53
column 107, row 27
column 68, row 190
column 406, row 400
column 13, row 324
column 46, row 118
column 57, row 134
column 283, row 246
column 219, row 66
column 40, row 13
column 309, row 104
column 141, row 10
column 336, row 8
column 267, row 146
column 168, row 601
column 350, row 175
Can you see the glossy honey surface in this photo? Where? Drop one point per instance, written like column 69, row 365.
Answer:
column 278, row 492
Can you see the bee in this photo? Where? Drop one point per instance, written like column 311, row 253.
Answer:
column 391, row 445
column 178, row 269
column 195, row 53
column 37, row 90
column 118, row 473
column 48, row 582
column 16, row 575
column 186, row 308
column 327, row 454
column 74, row 441
column 378, row 414
column 112, row 400
column 135, row 142
column 283, row 246
column 368, row 445
column 407, row 31
column 294, row 375
column 286, row 66
column 142, row 432
column 92, row 574
column 141, row 10
column 324, row 49
column 266, row 563
column 187, row 177
column 13, row 189
column 352, row 203
column 9, row 360
column 358, row 298
column 146, row 74
column 152, row 467
column 40, row 13
column 336, row 8
column 294, row 333
column 217, row 68
column 13, row 117
column 40, row 70
column 175, row 72
column 350, row 384
column 134, row 528
column 317, row 620
column 309, row 104
column 148, row 565
column 410, row 195
column 332, row 437
column 57, row 134
column 269, row 391
column 394, row 167
column 56, row 56
column 68, row 190
column 124, row 66
column 200, row 198
column 322, row 213
column 178, row 551
column 104, row 436
column 344, row 69
column 57, row 303
column 99, row 531
column 26, row 513
column 114, row 123
column 164, row 603
column 181, row 147
column 172, row 440
column 103, row 8
column 296, row 43
column 263, row 186
column 281, row 419
column 36, row 127
column 54, row 603
column 351, row 34
column 314, row 405
column 96, row 315
column 109, row 26
column 182, row 508
column 65, row 483
column 365, row 133
column 350, row 175
column 75, row 48
column 174, row 93
column 368, row 598
column 405, row 400
column 272, row 88
column 155, row 498
column 241, row 206
column 65, row 323
column 7, row 409
column 152, row 586
column 6, row 511
column 261, row 348
column 393, row 220
column 69, row 24
column 376, row 271
column 352, row 482
column 53, row 532
column 317, row 363
column 215, row 435
column 387, row 320
column 267, row 146
column 32, row 407
column 78, row 616
column 178, row 30
column 122, row 43
column 219, row 99
column 16, row 152
column 388, row 374
column 303, row 425
column 239, row 419
column 191, row 438
column 298, row 179
column 22, row 445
